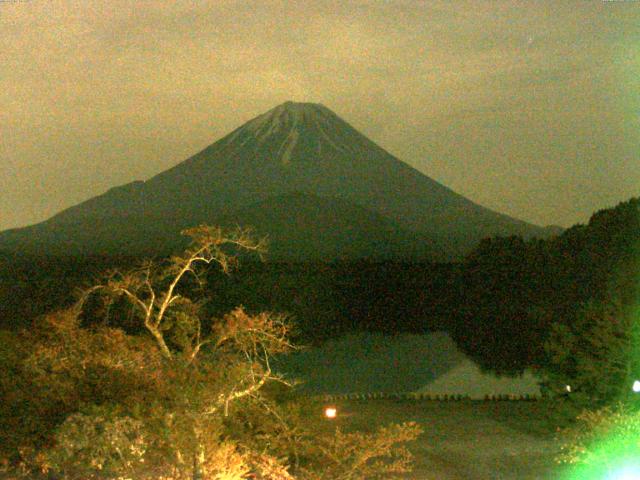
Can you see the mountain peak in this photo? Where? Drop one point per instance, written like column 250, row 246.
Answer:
column 295, row 130
column 297, row 106
column 290, row 114
column 294, row 147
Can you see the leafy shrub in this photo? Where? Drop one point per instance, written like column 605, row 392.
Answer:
column 360, row 456
column 100, row 440
column 601, row 441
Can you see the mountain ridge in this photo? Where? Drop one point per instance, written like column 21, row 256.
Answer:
column 294, row 147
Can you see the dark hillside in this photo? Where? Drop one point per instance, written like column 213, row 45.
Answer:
column 511, row 291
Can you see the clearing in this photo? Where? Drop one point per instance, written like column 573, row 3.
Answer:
column 467, row 440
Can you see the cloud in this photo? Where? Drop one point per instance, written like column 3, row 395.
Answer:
column 107, row 92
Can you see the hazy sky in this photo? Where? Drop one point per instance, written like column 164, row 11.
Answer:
column 530, row 108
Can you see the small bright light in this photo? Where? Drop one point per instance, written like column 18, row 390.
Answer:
column 330, row 412
column 636, row 386
column 568, row 388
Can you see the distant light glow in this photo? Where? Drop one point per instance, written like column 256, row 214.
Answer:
column 330, row 412
column 636, row 386
column 568, row 388
column 630, row 472
column 608, row 469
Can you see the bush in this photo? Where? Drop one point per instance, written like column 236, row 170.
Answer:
column 602, row 442
column 359, row 456
column 596, row 355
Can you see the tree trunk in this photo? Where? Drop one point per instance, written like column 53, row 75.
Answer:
column 198, row 461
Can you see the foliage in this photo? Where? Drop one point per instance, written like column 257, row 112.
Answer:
column 359, row 456
column 506, row 288
column 326, row 299
column 194, row 397
column 34, row 285
column 510, row 291
column 596, row 350
column 112, row 406
column 603, row 443
column 596, row 355
column 584, row 441
column 501, row 321
column 100, row 440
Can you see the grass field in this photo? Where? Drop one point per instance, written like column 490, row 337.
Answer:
column 467, row 440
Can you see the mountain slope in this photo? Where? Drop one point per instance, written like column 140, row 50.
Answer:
column 306, row 227
column 295, row 147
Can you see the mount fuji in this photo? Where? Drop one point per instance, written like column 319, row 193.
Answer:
column 298, row 174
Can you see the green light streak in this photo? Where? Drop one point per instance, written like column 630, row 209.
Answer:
column 614, row 452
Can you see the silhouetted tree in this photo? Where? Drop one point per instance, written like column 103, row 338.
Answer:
column 595, row 359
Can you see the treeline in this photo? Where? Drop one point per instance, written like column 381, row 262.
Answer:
column 512, row 292
column 324, row 299
column 499, row 303
column 33, row 285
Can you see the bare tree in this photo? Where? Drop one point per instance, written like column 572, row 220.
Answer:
column 153, row 289
column 174, row 320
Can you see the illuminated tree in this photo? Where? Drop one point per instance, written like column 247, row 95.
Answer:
column 155, row 291
column 215, row 362
column 192, row 398
column 603, row 443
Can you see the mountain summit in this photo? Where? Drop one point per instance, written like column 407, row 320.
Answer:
column 303, row 131
column 297, row 172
